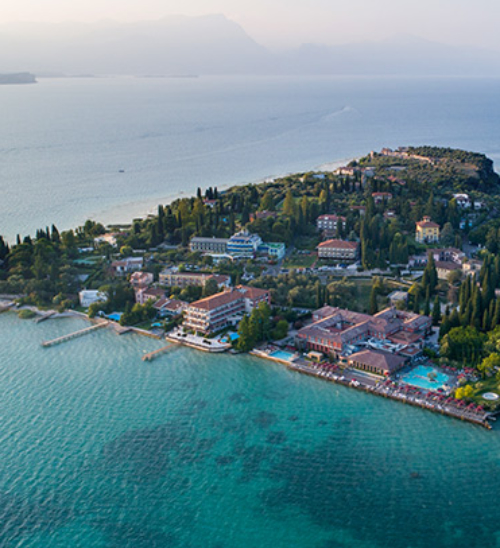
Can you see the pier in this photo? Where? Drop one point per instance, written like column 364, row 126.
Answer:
column 74, row 335
column 156, row 353
column 44, row 317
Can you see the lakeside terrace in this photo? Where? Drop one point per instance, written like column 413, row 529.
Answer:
column 380, row 386
column 340, row 333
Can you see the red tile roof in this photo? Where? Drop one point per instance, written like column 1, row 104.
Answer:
column 380, row 360
column 338, row 244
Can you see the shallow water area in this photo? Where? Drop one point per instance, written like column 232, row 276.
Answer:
column 100, row 449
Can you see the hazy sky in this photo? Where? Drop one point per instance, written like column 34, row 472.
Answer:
column 279, row 23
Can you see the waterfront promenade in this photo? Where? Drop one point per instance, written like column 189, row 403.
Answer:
column 387, row 388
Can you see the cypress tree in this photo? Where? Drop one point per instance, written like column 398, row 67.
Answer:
column 495, row 318
column 244, row 341
column 445, row 327
column 477, row 312
column 373, row 307
column 486, row 321
column 436, row 311
column 289, row 204
column 454, row 319
column 160, row 223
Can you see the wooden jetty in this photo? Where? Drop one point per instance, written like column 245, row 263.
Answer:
column 120, row 329
column 74, row 335
column 45, row 316
column 152, row 355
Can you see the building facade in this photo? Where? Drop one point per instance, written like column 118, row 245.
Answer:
column 208, row 245
column 427, row 231
column 89, row 296
column 339, row 250
column 141, row 279
column 340, row 333
column 223, row 309
column 244, row 245
column 330, row 224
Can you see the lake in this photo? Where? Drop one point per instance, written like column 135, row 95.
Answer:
column 100, row 449
column 114, row 148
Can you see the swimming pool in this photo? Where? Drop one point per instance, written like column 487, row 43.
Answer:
column 426, row 377
column 115, row 316
column 282, row 355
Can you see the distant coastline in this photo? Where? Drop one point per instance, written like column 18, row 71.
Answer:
column 17, row 78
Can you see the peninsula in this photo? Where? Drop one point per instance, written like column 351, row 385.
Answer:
column 383, row 275
column 17, row 78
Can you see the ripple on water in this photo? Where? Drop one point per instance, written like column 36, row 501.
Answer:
column 95, row 443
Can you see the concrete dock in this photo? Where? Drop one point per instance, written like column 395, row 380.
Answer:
column 74, row 335
column 156, row 353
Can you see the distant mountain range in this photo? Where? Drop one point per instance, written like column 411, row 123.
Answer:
column 180, row 45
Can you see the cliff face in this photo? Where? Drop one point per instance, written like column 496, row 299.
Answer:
column 17, row 78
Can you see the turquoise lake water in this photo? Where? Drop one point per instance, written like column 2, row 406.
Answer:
column 63, row 142
column 99, row 449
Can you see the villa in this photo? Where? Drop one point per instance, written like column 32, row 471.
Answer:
column 427, row 231
column 380, row 197
column 153, row 294
column 141, row 279
column 126, row 266
column 90, row 296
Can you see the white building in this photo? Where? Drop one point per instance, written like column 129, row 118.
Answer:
column 90, row 296
column 125, row 266
column 109, row 238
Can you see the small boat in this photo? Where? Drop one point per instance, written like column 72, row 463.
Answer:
column 121, row 171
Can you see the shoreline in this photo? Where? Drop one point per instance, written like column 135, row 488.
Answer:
column 381, row 391
column 124, row 214
column 322, row 374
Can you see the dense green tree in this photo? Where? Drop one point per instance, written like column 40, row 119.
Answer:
column 436, row 311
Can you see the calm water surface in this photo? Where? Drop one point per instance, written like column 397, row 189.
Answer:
column 63, row 142
column 99, row 449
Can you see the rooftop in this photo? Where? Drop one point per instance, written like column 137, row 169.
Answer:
column 338, row 244
column 377, row 358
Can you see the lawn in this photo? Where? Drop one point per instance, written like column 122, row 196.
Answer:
column 492, row 384
column 300, row 261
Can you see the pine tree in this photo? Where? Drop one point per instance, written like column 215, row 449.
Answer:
column 427, row 307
